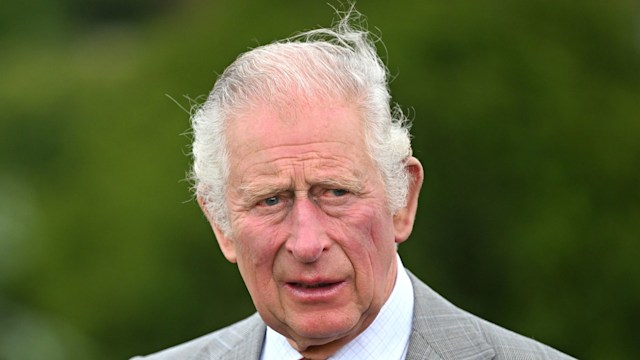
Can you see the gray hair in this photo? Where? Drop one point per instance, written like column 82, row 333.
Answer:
column 338, row 63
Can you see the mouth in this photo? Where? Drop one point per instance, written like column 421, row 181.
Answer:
column 315, row 292
column 312, row 285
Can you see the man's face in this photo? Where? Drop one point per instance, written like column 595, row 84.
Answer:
column 311, row 231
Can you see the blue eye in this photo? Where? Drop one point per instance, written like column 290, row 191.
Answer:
column 339, row 192
column 272, row 201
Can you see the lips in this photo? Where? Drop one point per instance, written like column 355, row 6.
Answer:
column 313, row 285
column 321, row 291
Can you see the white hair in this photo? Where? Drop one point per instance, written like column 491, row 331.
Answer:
column 338, row 63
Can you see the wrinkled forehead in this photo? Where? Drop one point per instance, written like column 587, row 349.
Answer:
column 311, row 141
column 297, row 121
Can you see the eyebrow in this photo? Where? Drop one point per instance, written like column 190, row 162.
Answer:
column 342, row 182
column 252, row 192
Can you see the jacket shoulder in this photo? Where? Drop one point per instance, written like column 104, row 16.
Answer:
column 510, row 345
column 442, row 328
column 242, row 338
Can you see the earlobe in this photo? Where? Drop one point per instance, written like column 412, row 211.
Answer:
column 226, row 243
column 404, row 218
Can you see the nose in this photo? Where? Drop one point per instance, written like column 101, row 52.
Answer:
column 308, row 238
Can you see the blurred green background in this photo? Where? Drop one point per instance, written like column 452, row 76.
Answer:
column 527, row 120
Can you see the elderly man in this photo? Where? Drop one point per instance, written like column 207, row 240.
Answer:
column 306, row 176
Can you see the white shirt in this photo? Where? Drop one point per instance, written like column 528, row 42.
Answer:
column 387, row 338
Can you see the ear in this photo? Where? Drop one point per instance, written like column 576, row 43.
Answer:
column 403, row 218
column 226, row 243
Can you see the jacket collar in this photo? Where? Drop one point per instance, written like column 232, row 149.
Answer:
column 246, row 342
column 442, row 331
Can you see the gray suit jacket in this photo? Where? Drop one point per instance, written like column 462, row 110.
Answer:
column 440, row 331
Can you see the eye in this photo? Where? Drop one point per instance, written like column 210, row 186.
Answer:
column 338, row 192
column 271, row 201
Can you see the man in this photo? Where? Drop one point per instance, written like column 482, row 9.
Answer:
column 307, row 179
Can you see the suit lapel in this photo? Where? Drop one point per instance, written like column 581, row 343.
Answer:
column 251, row 338
column 442, row 331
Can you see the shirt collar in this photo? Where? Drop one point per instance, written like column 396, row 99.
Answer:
column 386, row 338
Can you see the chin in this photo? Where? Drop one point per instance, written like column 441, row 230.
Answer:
column 324, row 329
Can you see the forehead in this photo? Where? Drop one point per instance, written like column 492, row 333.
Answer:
column 306, row 127
column 272, row 150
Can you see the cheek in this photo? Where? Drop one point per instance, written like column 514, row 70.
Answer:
column 365, row 233
column 257, row 246
column 372, row 222
column 255, row 236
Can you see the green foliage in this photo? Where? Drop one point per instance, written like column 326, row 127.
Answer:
column 526, row 120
